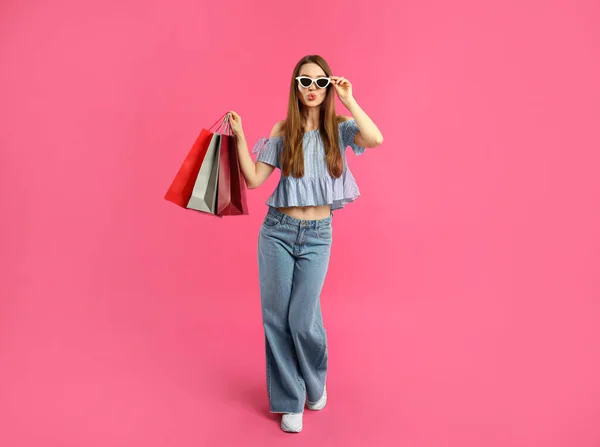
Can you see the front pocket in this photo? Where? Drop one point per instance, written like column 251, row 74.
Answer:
column 269, row 222
column 325, row 232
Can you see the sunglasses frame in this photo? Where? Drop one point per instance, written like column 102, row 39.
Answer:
column 298, row 78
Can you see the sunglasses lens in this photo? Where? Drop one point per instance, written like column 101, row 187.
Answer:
column 322, row 83
column 305, row 82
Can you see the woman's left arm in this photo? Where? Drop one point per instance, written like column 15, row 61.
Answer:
column 369, row 134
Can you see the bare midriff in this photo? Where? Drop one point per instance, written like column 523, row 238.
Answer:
column 307, row 212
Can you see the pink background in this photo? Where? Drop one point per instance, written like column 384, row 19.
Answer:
column 462, row 303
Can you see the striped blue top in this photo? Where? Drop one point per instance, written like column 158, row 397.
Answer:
column 317, row 187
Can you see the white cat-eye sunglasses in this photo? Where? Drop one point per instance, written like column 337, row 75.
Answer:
column 306, row 82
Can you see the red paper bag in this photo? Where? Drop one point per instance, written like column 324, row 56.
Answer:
column 181, row 188
column 238, row 204
column 224, row 188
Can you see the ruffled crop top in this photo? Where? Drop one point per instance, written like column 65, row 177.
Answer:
column 317, row 187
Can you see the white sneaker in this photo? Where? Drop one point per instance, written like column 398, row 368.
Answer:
column 320, row 404
column 291, row 422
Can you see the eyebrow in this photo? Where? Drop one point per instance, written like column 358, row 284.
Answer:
column 320, row 76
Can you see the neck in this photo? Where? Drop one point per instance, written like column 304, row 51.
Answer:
column 311, row 118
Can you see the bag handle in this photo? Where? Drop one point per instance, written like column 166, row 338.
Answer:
column 225, row 125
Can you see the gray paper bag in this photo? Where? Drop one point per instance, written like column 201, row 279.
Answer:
column 204, row 194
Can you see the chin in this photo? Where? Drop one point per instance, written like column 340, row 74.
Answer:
column 313, row 104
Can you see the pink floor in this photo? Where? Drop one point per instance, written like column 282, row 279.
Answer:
column 97, row 375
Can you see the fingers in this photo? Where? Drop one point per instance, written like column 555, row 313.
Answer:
column 233, row 116
column 339, row 80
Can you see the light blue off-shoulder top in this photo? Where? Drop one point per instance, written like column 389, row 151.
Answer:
column 317, row 187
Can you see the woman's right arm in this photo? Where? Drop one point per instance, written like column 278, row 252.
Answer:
column 255, row 174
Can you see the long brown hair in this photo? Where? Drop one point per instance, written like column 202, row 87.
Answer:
column 292, row 158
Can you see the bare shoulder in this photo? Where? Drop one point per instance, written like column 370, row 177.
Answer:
column 343, row 118
column 278, row 129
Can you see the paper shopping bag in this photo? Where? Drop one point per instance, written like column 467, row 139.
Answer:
column 224, row 188
column 204, row 193
column 210, row 179
column 181, row 188
column 238, row 204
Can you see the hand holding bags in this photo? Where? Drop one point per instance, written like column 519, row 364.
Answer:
column 210, row 179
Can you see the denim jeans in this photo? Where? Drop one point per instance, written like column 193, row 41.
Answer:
column 293, row 257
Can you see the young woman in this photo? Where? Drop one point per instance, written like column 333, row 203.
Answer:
column 294, row 243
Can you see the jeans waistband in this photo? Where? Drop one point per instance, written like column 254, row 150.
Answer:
column 274, row 213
